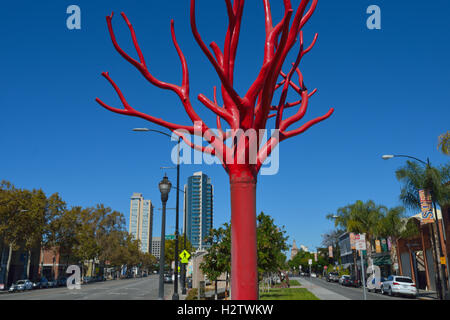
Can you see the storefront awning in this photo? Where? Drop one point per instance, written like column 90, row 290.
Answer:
column 382, row 260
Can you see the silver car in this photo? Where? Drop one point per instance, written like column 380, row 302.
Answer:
column 399, row 285
column 21, row 285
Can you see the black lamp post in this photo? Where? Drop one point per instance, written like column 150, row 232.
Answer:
column 175, row 295
column 164, row 188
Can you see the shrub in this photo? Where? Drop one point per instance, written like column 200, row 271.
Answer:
column 192, row 294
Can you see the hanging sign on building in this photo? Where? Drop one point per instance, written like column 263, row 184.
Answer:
column 426, row 204
column 377, row 246
column 352, row 240
column 384, row 245
column 330, row 251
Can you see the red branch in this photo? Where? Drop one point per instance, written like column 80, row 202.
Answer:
column 253, row 109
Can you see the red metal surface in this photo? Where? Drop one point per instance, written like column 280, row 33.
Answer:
column 252, row 111
column 244, row 274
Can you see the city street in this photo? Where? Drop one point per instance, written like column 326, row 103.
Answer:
column 127, row 289
column 349, row 293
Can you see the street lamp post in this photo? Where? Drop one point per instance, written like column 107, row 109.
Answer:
column 183, row 275
column 164, row 188
column 175, row 282
column 440, row 276
column 175, row 295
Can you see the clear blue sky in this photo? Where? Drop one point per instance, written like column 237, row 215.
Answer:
column 389, row 88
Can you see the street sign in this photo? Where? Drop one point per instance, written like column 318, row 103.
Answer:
column 170, row 237
column 310, row 261
column 184, row 256
column 360, row 241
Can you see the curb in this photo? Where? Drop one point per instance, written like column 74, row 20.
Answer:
column 425, row 298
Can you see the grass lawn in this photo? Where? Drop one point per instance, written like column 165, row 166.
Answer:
column 288, row 294
column 294, row 283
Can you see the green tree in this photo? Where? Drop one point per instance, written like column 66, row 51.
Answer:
column 272, row 242
column 395, row 225
column 415, row 177
column 361, row 217
column 218, row 259
column 169, row 253
column 12, row 205
column 331, row 238
column 444, row 143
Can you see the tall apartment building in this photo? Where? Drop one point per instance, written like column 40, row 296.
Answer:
column 198, row 209
column 141, row 221
column 156, row 247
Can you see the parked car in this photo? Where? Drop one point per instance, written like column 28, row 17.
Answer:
column 376, row 284
column 349, row 281
column 168, row 278
column 354, row 282
column 342, row 278
column 52, row 283
column 87, row 280
column 400, row 285
column 62, row 281
column 333, row 277
column 42, row 283
column 21, row 285
column 100, row 278
column 313, row 275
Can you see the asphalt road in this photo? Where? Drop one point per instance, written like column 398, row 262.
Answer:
column 127, row 289
column 351, row 292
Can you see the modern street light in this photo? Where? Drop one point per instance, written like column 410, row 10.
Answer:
column 164, row 188
column 440, row 273
column 175, row 295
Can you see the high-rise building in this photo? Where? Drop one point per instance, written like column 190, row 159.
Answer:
column 141, row 221
column 198, row 209
column 156, row 247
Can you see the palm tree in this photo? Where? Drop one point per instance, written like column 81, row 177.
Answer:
column 416, row 177
column 360, row 217
column 395, row 225
column 444, row 143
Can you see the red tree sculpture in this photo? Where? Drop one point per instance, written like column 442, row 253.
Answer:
column 250, row 112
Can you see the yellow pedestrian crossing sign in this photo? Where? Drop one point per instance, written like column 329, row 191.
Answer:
column 184, row 256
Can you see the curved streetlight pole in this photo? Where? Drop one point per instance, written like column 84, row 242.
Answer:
column 175, row 295
column 440, row 274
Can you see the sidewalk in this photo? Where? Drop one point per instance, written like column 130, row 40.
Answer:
column 320, row 292
column 427, row 295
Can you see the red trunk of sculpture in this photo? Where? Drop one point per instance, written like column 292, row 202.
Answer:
column 250, row 112
column 244, row 285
